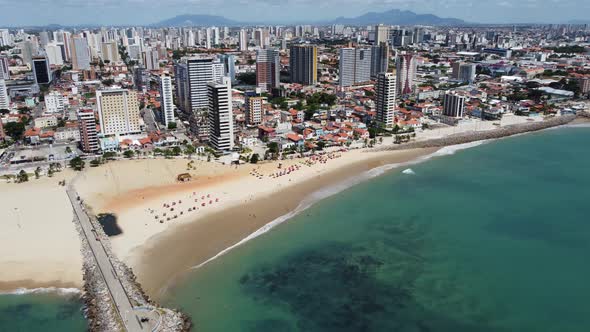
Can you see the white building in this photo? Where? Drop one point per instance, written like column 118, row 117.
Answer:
column 55, row 102
column 46, row 121
column 243, row 40
column 197, row 72
column 166, row 99
column 406, row 73
column 80, row 54
column 4, row 98
column 221, row 123
column 385, row 94
column 118, row 112
column 54, row 54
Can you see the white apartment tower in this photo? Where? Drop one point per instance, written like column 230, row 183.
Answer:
column 355, row 66
column 55, row 102
column 254, row 110
column 4, row 98
column 221, row 123
column 118, row 112
column 243, row 40
column 385, row 93
column 166, row 99
column 406, row 73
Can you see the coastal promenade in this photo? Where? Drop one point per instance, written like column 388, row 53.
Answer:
column 120, row 299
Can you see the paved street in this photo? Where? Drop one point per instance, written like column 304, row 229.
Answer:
column 116, row 290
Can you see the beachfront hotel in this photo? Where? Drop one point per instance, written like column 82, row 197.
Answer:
column 385, row 92
column 118, row 112
column 88, row 132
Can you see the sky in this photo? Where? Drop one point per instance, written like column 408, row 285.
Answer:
column 142, row 12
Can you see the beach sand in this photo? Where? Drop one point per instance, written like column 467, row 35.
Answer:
column 38, row 240
column 135, row 192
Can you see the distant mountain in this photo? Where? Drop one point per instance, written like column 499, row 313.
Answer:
column 195, row 20
column 398, row 17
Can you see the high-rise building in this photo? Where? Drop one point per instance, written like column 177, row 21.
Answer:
column 385, row 94
column 4, row 98
column 406, row 73
column 221, row 123
column 118, row 112
column 453, row 105
column 464, row 72
column 355, row 65
column 267, row 69
column 54, row 54
column 4, row 71
column 196, row 72
column 166, row 99
column 41, row 70
column 303, row 64
column 229, row 65
column 381, row 34
column 262, row 38
column 109, row 51
column 379, row 59
column 80, row 54
column 151, row 59
column 253, row 110
column 243, row 40
column 88, row 132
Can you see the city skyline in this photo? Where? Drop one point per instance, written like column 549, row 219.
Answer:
column 147, row 12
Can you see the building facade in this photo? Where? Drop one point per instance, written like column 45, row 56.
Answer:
column 406, row 73
column 453, row 105
column 41, row 70
column 254, row 110
column 303, row 64
column 88, row 132
column 354, row 66
column 267, row 69
column 379, row 59
column 385, row 98
column 221, row 123
column 118, row 112
column 166, row 100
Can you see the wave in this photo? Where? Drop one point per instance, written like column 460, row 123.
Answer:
column 316, row 196
column 408, row 171
column 43, row 290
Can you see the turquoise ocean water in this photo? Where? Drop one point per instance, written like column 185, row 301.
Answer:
column 492, row 238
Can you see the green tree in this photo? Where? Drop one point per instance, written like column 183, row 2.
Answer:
column 128, row 153
column 14, row 130
column 109, row 155
column 77, row 164
column 176, row 150
column 254, row 159
column 190, row 150
column 247, row 78
column 171, row 125
column 37, row 172
column 68, row 150
column 22, row 176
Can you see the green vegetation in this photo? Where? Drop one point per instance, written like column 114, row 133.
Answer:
column 109, row 155
column 247, row 78
column 569, row 49
column 77, row 164
column 128, row 153
column 22, row 176
column 254, row 158
column 172, row 125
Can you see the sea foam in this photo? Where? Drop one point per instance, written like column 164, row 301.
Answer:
column 43, row 290
column 316, row 196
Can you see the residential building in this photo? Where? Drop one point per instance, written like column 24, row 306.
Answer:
column 464, row 72
column 41, row 70
column 166, row 99
column 109, row 51
column 243, row 40
column 381, row 34
column 118, row 112
column 221, row 123
column 355, row 65
column 88, row 132
column 80, row 54
column 453, row 105
column 4, row 71
column 45, row 121
column 4, row 98
column 267, row 69
column 55, row 102
column 303, row 64
column 385, row 97
column 193, row 75
column 379, row 59
column 54, row 54
column 229, row 65
column 406, row 73
column 254, row 110
column 151, row 59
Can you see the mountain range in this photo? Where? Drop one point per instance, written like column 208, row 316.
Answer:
column 390, row 17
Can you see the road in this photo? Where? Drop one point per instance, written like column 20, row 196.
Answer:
column 116, row 290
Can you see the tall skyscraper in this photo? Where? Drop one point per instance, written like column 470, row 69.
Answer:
column 303, row 64
column 381, row 34
column 464, row 72
column 229, row 65
column 4, row 98
column 151, row 59
column 41, row 70
column 196, row 72
column 221, row 123
column 109, row 52
column 385, row 96
column 267, row 69
column 80, row 54
column 166, row 99
column 243, row 40
column 4, row 71
column 453, row 104
column 379, row 59
column 406, row 73
column 54, row 54
column 88, row 133
column 253, row 110
column 118, row 112
column 355, row 65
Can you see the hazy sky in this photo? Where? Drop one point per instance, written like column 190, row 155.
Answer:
column 42, row 12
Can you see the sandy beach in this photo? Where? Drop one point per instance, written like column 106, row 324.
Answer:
column 226, row 203
column 38, row 241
